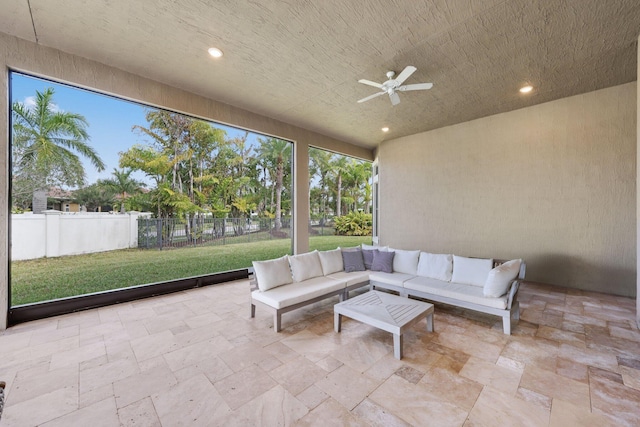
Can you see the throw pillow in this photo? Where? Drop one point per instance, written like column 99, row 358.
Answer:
column 500, row 278
column 353, row 261
column 406, row 261
column 305, row 266
column 471, row 271
column 273, row 273
column 368, row 257
column 331, row 261
column 435, row 266
column 383, row 261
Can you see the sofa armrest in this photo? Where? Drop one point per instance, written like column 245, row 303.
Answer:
column 253, row 285
column 513, row 293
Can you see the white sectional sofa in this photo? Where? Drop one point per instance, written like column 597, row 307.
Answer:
column 291, row 282
column 484, row 285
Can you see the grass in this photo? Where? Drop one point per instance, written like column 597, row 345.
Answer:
column 51, row 278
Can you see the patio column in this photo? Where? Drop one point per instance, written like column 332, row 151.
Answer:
column 638, row 191
column 301, row 198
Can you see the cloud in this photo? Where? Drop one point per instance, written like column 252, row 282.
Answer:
column 30, row 103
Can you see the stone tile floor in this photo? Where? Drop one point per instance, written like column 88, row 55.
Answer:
column 197, row 358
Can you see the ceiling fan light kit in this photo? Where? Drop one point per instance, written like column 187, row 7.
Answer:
column 392, row 86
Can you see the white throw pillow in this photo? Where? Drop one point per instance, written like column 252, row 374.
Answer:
column 436, row 266
column 500, row 278
column 331, row 261
column 273, row 273
column 372, row 247
column 406, row 261
column 471, row 271
column 305, row 266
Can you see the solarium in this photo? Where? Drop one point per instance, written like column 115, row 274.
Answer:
column 474, row 168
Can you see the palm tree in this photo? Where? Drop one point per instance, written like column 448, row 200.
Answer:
column 321, row 165
column 123, row 184
column 338, row 168
column 274, row 151
column 47, row 144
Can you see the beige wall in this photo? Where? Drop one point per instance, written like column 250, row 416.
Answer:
column 29, row 57
column 554, row 184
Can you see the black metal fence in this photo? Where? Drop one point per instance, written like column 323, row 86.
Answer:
column 173, row 233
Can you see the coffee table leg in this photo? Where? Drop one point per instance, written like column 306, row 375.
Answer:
column 337, row 322
column 397, row 346
column 430, row 322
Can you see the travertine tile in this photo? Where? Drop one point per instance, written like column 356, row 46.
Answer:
column 555, row 386
column 100, row 414
column 139, row 414
column 573, row 360
column 494, row 408
column 415, row 405
column 347, row 386
column 297, row 375
column 194, row 402
column 243, row 386
column 489, row 374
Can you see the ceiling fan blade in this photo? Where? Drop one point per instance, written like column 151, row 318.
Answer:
column 371, row 97
column 417, row 86
column 404, row 75
column 395, row 99
column 370, row 83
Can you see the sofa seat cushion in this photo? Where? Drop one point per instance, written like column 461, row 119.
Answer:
column 352, row 278
column 395, row 279
column 459, row 291
column 287, row 295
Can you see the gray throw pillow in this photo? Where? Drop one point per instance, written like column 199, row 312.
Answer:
column 383, row 261
column 352, row 261
column 367, row 254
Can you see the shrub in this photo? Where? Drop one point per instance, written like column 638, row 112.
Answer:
column 354, row 224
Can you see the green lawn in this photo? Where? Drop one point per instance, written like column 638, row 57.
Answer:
column 50, row 278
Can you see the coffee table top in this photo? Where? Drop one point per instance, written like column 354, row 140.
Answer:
column 385, row 311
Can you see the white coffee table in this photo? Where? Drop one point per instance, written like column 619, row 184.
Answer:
column 385, row 311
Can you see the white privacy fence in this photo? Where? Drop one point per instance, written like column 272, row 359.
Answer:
column 56, row 233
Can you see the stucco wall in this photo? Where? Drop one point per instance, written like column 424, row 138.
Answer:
column 22, row 55
column 554, row 184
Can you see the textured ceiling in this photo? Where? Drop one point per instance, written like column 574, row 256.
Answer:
column 300, row 61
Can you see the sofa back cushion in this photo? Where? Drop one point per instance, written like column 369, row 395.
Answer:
column 500, row 278
column 273, row 273
column 372, row 247
column 406, row 261
column 435, row 266
column 331, row 261
column 352, row 260
column 305, row 266
column 367, row 256
column 383, row 261
column 471, row 271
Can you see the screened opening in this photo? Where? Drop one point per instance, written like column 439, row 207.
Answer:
column 109, row 194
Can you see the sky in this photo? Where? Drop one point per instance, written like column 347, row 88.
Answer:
column 110, row 120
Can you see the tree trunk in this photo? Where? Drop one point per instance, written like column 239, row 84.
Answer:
column 339, row 201
column 279, row 179
column 39, row 201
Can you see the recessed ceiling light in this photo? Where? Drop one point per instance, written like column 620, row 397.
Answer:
column 385, row 129
column 526, row 89
column 215, row 52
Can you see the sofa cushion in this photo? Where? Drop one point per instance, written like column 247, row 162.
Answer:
column 367, row 255
column 331, row 261
column 372, row 247
column 353, row 260
column 471, row 271
column 406, row 261
column 352, row 278
column 436, row 266
column 273, row 273
column 285, row 296
column 305, row 266
column 395, row 279
column 457, row 291
column 383, row 261
column 500, row 278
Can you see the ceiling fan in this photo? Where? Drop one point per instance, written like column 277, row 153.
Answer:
column 393, row 86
